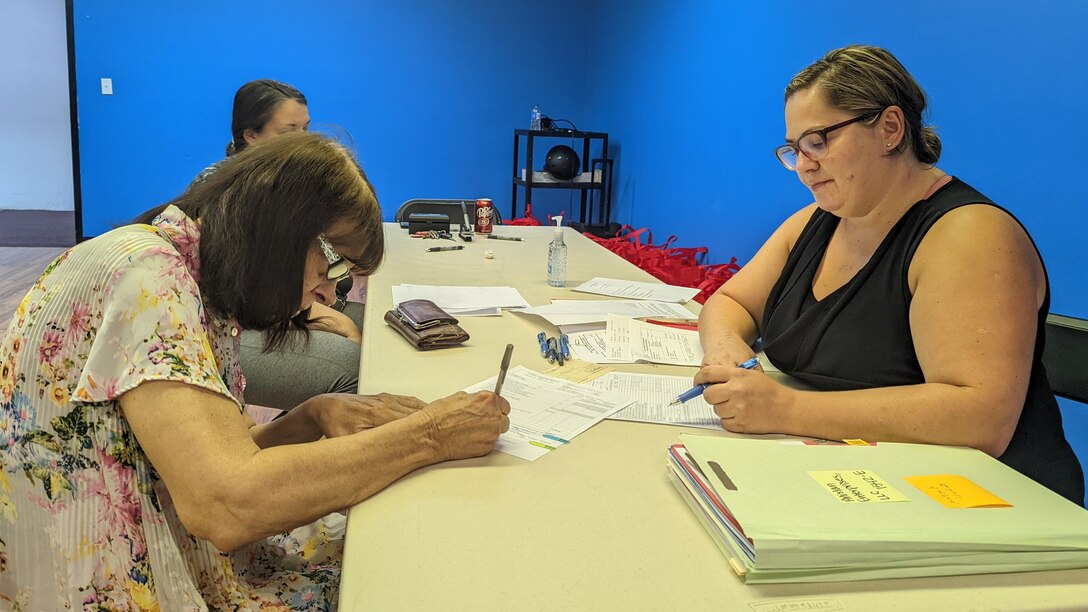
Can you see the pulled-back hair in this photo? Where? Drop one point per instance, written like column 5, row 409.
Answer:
column 859, row 79
column 260, row 215
column 254, row 104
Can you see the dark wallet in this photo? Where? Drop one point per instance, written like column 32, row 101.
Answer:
column 425, row 325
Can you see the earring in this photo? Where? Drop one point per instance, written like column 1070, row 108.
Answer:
column 887, row 144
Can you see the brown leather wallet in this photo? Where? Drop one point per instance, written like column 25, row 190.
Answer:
column 426, row 325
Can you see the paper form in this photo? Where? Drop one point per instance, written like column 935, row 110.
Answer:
column 652, row 393
column 573, row 312
column 638, row 290
column 463, row 301
column 629, row 340
column 591, row 346
column 547, row 412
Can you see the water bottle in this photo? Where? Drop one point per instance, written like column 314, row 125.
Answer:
column 557, row 256
column 534, row 119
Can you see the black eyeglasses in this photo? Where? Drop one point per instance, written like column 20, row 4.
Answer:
column 813, row 143
column 339, row 268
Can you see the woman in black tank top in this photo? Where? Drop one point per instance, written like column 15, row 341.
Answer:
column 913, row 302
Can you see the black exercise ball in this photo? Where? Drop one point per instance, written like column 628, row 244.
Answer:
column 562, row 162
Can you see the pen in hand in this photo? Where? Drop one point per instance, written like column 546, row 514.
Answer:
column 503, row 367
column 697, row 390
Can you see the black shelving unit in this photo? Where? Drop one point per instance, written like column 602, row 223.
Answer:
column 602, row 188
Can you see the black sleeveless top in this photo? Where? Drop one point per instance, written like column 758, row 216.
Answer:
column 859, row 336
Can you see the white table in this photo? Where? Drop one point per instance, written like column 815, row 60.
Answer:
column 595, row 524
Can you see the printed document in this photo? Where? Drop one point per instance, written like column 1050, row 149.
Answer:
column 653, row 393
column 547, row 412
column 638, row 290
column 629, row 340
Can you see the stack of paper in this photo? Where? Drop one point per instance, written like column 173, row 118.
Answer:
column 637, row 290
column 790, row 511
column 463, row 301
column 547, row 412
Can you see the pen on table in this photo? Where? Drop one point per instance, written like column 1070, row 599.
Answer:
column 543, row 345
column 553, row 351
column 564, row 346
column 446, row 248
column 697, row 390
column 498, row 237
column 503, row 367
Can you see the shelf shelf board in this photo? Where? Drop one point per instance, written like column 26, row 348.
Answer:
column 558, row 184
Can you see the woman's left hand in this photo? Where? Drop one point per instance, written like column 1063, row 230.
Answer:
column 746, row 401
column 342, row 414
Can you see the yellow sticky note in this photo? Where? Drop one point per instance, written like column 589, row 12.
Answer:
column 856, row 442
column 953, row 491
column 857, row 486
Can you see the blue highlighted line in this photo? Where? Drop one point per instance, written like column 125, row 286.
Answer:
column 556, row 438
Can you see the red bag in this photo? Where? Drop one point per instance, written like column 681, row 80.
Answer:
column 528, row 219
column 672, row 265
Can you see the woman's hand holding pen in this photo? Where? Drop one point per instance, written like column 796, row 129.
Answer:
column 467, row 425
column 747, row 400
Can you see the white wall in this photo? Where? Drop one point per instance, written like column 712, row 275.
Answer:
column 35, row 126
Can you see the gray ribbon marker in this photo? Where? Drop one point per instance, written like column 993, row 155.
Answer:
column 503, row 368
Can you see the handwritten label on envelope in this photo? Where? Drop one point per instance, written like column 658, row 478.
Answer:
column 857, row 486
column 953, row 491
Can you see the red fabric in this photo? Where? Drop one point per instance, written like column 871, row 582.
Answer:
column 528, row 219
column 669, row 264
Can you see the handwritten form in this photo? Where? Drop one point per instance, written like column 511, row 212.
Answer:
column 638, row 290
column 630, row 340
column 547, row 412
column 652, row 393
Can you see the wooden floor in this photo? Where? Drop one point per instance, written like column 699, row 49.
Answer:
column 20, row 268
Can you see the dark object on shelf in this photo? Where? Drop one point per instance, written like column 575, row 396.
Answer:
column 562, row 162
column 594, row 183
column 427, row 222
column 607, row 230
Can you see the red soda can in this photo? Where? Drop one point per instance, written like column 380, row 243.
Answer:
column 485, row 215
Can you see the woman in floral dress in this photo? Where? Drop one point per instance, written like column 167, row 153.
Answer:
column 132, row 478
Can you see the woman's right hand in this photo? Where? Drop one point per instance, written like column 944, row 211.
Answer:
column 468, row 425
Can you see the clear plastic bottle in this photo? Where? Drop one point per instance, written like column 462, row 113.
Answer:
column 534, row 119
column 557, row 256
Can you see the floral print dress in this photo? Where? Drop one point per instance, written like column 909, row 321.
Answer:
column 85, row 522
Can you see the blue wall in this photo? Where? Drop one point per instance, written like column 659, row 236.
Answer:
column 690, row 92
column 429, row 92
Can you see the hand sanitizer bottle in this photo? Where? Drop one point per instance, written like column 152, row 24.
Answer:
column 557, row 256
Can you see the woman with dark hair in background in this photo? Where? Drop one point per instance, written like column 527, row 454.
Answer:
column 914, row 303
column 285, row 377
column 128, row 462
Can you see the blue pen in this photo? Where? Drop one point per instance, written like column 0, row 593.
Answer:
column 564, row 345
column 697, row 390
column 553, row 351
column 543, row 345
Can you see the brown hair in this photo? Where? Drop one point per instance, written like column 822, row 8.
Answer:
column 861, row 79
column 260, row 215
column 254, row 104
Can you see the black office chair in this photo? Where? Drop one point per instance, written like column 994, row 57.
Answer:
column 1066, row 356
column 455, row 209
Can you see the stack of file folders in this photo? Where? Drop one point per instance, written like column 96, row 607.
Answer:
column 797, row 511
